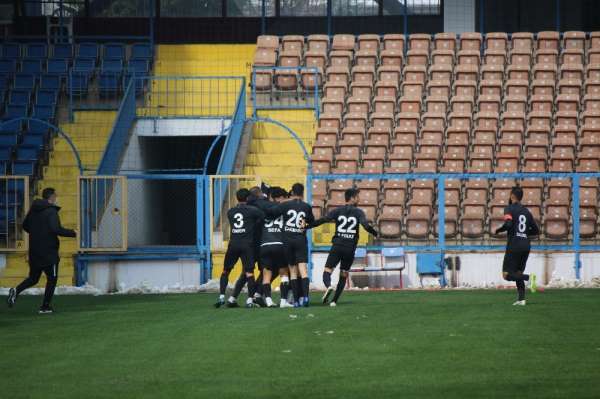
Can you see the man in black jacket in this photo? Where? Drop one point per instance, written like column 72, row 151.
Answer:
column 43, row 225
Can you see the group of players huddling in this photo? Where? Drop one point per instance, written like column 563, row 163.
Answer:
column 269, row 226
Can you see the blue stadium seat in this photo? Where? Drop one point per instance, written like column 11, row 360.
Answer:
column 8, row 66
column 8, row 141
column 36, row 128
column 11, row 50
column 15, row 111
column 50, row 82
column 58, row 66
column 141, row 51
column 34, row 141
column 78, row 83
column 63, row 51
column 88, row 50
column 24, row 81
column 114, row 51
column 23, row 168
column 3, row 169
column 30, row 66
column 137, row 68
column 5, row 154
column 36, row 50
column 10, row 127
column 7, row 215
column 43, row 112
column 84, row 66
column 27, row 154
column 109, row 84
column 46, row 97
column 19, row 97
column 114, row 66
column 4, row 83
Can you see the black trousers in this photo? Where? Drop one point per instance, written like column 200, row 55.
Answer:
column 35, row 273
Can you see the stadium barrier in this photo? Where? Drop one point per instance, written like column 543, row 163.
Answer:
column 439, row 244
column 14, row 204
column 103, row 213
column 299, row 88
column 189, row 97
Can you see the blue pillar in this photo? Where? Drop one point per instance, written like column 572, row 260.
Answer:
column 575, row 213
column 442, row 225
column 309, row 199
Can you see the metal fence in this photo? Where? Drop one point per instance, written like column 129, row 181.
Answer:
column 103, row 213
column 190, row 97
column 222, row 197
column 567, row 222
column 14, row 204
column 286, row 88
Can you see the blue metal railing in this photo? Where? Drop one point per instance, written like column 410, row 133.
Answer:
column 441, row 245
column 190, row 97
column 111, row 159
column 306, row 99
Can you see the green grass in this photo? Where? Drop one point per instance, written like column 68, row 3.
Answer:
column 451, row 344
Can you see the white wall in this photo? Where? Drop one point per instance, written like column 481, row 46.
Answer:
column 459, row 16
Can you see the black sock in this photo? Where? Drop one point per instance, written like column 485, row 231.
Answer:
column 274, row 275
column 223, row 283
column 251, row 286
column 266, row 289
column 340, row 288
column 517, row 276
column 305, row 287
column 239, row 284
column 284, row 287
column 327, row 279
column 521, row 289
column 259, row 286
column 295, row 284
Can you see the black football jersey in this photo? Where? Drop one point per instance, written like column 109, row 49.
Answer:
column 294, row 212
column 272, row 227
column 347, row 220
column 245, row 222
column 523, row 226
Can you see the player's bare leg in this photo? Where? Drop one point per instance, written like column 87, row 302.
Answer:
column 327, row 281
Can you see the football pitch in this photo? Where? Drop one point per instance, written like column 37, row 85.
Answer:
column 450, row 344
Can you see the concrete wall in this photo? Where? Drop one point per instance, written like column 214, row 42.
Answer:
column 459, row 16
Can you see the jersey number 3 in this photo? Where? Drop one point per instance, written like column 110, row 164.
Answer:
column 347, row 224
column 239, row 220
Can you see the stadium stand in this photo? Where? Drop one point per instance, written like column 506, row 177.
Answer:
column 34, row 82
column 454, row 104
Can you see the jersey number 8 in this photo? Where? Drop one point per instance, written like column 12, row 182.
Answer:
column 522, row 224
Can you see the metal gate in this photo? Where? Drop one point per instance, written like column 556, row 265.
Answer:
column 102, row 213
column 14, row 204
column 222, row 197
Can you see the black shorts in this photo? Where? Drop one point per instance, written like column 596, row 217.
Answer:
column 272, row 257
column 239, row 250
column 296, row 250
column 515, row 261
column 342, row 255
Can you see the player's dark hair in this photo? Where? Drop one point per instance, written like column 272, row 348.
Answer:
column 278, row 192
column 256, row 191
column 517, row 192
column 48, row 192
column 242, row 194
column 350, row 193
column 297, row 190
